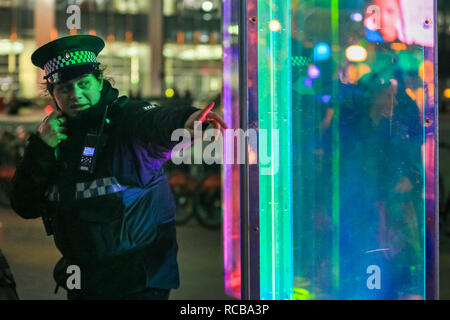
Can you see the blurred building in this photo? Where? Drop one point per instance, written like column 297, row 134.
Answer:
column 155, row 47
column 193, row 47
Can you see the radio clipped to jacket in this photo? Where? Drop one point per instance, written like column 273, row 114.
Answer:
column 93, row 142
column 89, row 153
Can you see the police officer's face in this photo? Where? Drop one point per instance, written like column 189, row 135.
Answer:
column 78, row 94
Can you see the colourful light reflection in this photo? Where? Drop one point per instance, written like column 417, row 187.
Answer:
column 313, row 72
column 308, row 82
column 275, row 25
column 326, row 98
column 356, row 53
column 447, row 93
column 346, row 212
column 358, row 17
column 170, row 93
column 275, row 180
column 322, row 51
column 301, row 294
column 231, row 173
column 48, row 109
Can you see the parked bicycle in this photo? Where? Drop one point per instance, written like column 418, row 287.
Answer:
column 197, row 194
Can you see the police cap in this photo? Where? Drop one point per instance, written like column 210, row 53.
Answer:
column 69, row 57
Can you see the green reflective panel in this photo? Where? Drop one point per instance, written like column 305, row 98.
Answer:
column 275, row 143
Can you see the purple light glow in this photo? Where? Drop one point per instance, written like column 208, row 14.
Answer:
column 313, row 72
column 231, row 174
column 326, row 98
column 308, row 82
column 358, row 17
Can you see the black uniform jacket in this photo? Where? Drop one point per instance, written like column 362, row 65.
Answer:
column 116, row 224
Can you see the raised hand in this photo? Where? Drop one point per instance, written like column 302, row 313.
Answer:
column 205, row 115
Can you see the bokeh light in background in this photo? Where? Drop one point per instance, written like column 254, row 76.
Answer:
column 326, row 98
column 356, row 53
column 313, row 71
column 275, row 25
column 426, row 71
column 48, row 109
column 447, row 93
column 207, row 6
column 358, row 17
column 398, row 46
column 322, row 51
column 308, row 82
column 170, row 93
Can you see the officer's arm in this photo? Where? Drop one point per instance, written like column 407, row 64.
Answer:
column 32, row 178
column 156, row 124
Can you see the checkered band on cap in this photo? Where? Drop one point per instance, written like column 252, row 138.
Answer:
column 69, row 58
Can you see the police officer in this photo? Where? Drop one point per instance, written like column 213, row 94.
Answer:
column 93, row 172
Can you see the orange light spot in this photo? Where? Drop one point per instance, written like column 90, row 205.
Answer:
column 54, row 34
column 352, row 74
column 411, row 94
column 397, row 46
column 363, row 69
column 447, row 93
column 180, row 37
column 129, row 36
column 426, row 71
column 196, row 37
column 48, row 109
column 212, row 38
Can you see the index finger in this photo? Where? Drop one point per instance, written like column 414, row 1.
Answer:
column 222, row 122
column 206, row 111
column 216, row 117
